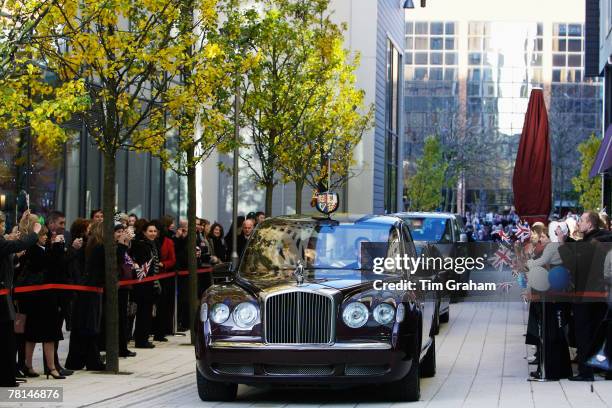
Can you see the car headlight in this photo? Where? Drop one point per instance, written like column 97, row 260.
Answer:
column 219, row 313
column 204, row 312
column 355, row 315
column 384, row 313
column 245, row 315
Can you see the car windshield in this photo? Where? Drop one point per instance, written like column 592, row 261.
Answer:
column 430, row 229
column 324, row 249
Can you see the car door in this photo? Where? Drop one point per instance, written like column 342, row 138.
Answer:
column 425, row 296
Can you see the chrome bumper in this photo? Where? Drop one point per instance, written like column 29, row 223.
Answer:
column 236, row 345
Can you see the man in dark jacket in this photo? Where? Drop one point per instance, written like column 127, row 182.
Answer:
column 7, row 309
column 245, row 234
column 585, row 261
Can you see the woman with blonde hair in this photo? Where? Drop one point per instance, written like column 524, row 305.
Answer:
column 9, row 247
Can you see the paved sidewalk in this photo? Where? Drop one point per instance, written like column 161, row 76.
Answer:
column 480, row 359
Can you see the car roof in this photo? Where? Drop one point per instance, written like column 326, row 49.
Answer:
column 343, row 218
column 424, row 214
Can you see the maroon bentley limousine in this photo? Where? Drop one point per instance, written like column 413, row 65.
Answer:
column 303, row 309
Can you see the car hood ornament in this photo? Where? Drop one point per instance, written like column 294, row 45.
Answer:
column 299, row 273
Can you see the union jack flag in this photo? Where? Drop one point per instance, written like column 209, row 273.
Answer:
column 502, row 235
column 505, row 286
column 522, row 232
column 128, row 260
column 501, row 257
column 144, row 271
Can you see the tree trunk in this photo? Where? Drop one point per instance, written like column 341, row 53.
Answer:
column 192, row 265
column 269, row 196
column 111, row 313
column 299, row 187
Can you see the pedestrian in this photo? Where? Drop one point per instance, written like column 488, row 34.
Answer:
column 58, row 268
column 42, row 308
column 164, row 313
column 243, row 238
column 97, row 215
column 132, row 218
column 126, row 273
column 217, row 244
column 83, row 349
column 145, row 254
column 553, row 316
column 7, row 309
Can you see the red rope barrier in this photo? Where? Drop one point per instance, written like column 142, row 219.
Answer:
column 95, row 289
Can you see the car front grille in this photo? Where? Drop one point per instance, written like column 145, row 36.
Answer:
column 316, row 370
column 299, row 318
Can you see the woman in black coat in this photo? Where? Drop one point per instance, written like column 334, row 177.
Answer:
column 219, row 249
column 145, row 254
column 41, row 308
column 7, row 309
column 87, row 307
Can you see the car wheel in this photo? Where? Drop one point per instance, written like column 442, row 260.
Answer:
column 215, row 391
column 408, row 389
column 435, row 330
column 428, row 365
column 445, row 317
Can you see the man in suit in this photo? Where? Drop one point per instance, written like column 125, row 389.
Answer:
column 7, row 308
column 585, row 261
column 245, row 234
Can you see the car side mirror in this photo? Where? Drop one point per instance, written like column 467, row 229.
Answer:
column 463, row 237
column 223, row 272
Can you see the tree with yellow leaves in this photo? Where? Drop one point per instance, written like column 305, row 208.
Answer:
column 331, row 125
column 198, row 109
column 125, row 58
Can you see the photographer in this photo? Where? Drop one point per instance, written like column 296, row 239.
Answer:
column 7, row 310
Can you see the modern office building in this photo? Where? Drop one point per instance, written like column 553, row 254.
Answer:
column 375, row 29
column 470, row 67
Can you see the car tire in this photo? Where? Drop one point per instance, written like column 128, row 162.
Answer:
column 215, row 391
column 428, row 365
column 445, row 317
column 408, row 389
column 435, row 330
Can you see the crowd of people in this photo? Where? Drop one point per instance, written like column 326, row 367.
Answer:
column 575, row 314
column 42, row 251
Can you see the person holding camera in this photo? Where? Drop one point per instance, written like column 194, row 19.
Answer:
column 41, row 308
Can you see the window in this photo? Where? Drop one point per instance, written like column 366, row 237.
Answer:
column 394, row 63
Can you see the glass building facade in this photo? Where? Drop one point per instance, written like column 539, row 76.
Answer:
column 471, row 80
column 72, row 181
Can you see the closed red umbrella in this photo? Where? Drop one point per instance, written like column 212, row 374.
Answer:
column 531, row 183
